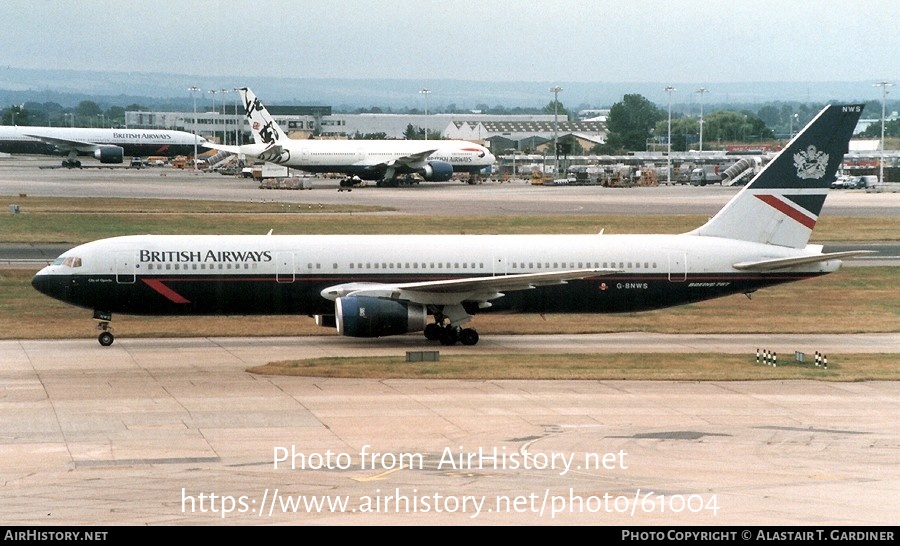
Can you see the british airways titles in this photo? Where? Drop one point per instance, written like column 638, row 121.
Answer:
column 182, row 256
column 142, row 136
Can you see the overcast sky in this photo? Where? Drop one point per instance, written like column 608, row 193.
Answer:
column 482, row 40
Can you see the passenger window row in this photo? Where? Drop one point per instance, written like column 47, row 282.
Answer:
column 201, row 267
column 531, row 266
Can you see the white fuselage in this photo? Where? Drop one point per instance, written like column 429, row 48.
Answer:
column 115, row 137
column 354, row 156
column 150, row 274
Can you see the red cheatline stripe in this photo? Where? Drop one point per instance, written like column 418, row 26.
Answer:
column 787, row 209
column 170, row 294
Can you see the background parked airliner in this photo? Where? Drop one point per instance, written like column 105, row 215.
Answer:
column 380, row 160
column 107, row 145
column 380, row 285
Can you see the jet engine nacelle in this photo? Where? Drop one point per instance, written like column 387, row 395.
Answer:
column 368, row 316
column 437, row 171
column 110, row 154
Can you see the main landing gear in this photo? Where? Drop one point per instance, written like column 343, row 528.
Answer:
column 71, row 163
column 446, row 326
column 103, row 319
column 348, row 184
column 449, row 334
column 397, row 182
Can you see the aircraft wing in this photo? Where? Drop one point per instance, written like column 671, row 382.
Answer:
column 65, row 143
column 410, row 159
column 454, row 291
column 779, row 263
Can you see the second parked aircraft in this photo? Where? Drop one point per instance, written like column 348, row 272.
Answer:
column 378, row 160
column 107, row 145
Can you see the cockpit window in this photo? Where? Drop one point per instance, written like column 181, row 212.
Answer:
column 68, row 261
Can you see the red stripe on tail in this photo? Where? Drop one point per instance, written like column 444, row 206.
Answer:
column 787, row 209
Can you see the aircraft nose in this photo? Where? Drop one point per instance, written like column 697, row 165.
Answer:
column 49, row 285
column 40, row 282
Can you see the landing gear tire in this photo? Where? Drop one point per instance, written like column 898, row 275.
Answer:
column 468, row 336
column 106, row 339
column 433, row 332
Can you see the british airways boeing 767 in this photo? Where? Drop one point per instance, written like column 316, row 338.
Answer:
column 381, row 285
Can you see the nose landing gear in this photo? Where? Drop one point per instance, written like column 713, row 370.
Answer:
column 103, row 319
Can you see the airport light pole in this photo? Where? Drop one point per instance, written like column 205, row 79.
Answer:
column 16, row 109
column 883, row 86
column 555, row 90
column 193, row 89
column 426, row 92
column 212, row 94
column 701, row 91
column 224, row 124
column 669, row 90
column 238, row 120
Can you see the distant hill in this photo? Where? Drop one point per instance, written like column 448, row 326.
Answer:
column 170, row 91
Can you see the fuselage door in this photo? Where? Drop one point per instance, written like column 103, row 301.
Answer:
column 125, row 268
column 500, row 266
column 284, row 266
column 677, row 266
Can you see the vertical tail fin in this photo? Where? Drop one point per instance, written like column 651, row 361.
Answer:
column 781, row 205
column 262, row 125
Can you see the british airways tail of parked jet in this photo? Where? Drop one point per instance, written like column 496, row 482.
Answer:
column 379, row 160
column 381, row 285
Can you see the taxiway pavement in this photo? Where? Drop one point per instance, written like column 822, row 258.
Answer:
column 177, row 432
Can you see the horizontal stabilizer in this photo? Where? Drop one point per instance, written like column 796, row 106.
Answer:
column 223, row 147
column 780, row 263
